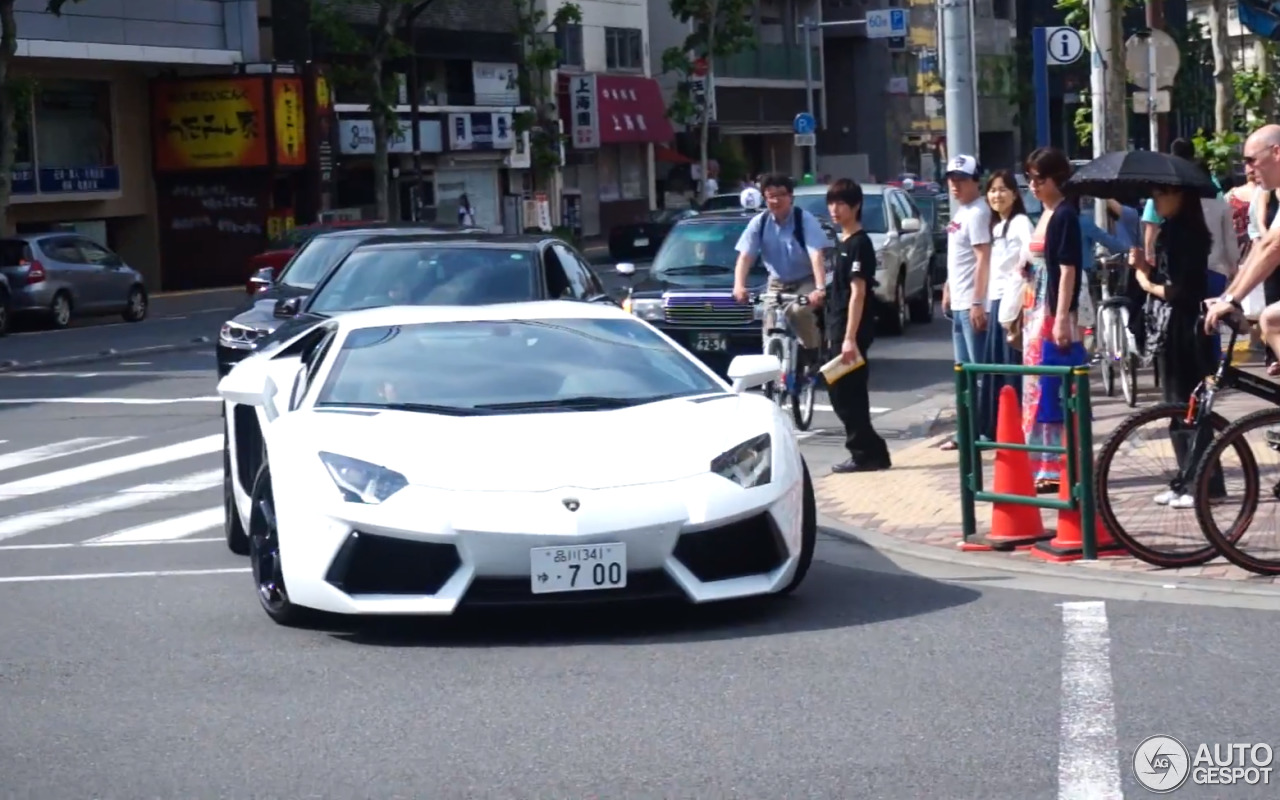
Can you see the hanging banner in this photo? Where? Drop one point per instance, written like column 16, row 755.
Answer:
column 290, row 122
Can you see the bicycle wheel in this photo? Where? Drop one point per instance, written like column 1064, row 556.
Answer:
column 1129, row 379
column 775, row 390
column 1156, row 545
column 1103, row 347
column 802, row 397
column 1231, row 543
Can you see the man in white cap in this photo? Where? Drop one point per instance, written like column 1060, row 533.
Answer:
column 968, row 263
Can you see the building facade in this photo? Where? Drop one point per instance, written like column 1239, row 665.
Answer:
column 614, row 115
column 84, row 159
column 756, row 94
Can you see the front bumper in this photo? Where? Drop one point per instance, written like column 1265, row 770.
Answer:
column 429, row 551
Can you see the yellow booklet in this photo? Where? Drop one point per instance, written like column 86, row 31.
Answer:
column 835, row 369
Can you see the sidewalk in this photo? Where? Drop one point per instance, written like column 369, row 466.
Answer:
column 918, row 501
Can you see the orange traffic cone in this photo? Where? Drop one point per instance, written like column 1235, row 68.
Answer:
column 1068, row 542
column 1013, row 526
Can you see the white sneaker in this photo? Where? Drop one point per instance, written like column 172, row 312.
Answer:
column 1183, row 501
column 1166, row 497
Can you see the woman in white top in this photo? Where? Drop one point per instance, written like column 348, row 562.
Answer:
column 1011, row 231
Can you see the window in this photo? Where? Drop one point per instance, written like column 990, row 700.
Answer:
column 623, row 48
column 314, row 258
column 484, row 366
column 569, row 43
column 73, row 124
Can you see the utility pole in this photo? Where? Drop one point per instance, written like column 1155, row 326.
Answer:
column 809, row 27
column 1107, row 86
column 1157, row 122
column 961, row 92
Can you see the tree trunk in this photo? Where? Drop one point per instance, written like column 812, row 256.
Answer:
column 381, row 169
column 8, row 114
column 1223, row 88
column 707, row 100
column 1117, row 112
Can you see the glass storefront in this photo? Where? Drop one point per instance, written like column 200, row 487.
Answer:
column 73, row 124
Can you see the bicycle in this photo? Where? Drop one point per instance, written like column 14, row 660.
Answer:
column 793, row 387
column 1230, row 377
column 1117, row 346
column 1207, row 444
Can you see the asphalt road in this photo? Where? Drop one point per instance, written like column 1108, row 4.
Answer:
column 138, row 664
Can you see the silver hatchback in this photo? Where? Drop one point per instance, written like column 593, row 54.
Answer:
column 56, row 275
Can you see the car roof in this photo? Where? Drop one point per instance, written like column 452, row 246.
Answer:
column 395, row 230
column 456, row 239
column 534, row 310
column 867, row 188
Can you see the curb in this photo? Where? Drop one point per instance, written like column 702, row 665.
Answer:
column 106, row 355
column 889, row 544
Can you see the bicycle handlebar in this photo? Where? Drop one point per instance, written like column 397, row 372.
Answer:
column 781, row 298
column 1234, row 322
column 1115, row 260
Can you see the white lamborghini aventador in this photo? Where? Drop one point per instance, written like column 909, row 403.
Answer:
column 407, row 460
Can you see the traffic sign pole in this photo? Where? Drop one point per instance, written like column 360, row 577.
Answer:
column 1040, row 82
column 808, row 91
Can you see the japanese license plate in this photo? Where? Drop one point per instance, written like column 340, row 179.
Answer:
column 579, row 568
column 642, row 242
column 710, row 342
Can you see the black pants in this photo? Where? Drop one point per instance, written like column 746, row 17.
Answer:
column 1271, row 294
column 1183, row 364
column 851, row 401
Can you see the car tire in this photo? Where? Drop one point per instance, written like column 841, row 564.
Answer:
column 922, row 306
column 5, row 313
column 232, row 527
column 808, row 533
column 136, row 306
column 264, row 556
column 896, row 316
column 60, row 311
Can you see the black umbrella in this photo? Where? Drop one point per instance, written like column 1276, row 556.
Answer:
column 1131, row 176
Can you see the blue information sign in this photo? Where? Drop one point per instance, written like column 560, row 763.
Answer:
column 73, row 180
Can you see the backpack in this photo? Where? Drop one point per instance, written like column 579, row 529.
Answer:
column 797, row 226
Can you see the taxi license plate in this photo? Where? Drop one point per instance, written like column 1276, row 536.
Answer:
column 642, row 242
column 579, row 568
column 710, row 343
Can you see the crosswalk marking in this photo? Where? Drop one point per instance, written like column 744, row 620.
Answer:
column 91, row 401
column 5, row 548
column 98, row 470
column 167, row 529
column 116, row 501
column 70, row 447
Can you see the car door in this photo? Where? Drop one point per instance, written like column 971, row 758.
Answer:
column 110, row 274
column 914, row 244
column 66, row 269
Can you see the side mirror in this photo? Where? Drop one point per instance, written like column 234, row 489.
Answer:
column 261, row 279
column 625, row 268
column 748, row 372
column 288, row 307
column 247, row 385
column 911, row 225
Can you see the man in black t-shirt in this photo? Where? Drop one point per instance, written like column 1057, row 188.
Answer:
column 851, row 329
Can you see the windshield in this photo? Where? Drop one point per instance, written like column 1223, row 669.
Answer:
column 427, row 275
column 505, row 364
column 317, row 255
column 702, row 254
column 720, row 202
column 872, row 209
column 295, row 237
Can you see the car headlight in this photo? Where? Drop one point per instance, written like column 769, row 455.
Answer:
column 240, row 337
column 749, row 464
column 362, row 482
column 646, row 308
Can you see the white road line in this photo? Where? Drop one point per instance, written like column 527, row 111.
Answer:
column 874, row 409
column 166, row 530
column 126, row 498
column 124, row 401
column 91, row 576
column 119, row 373
column 112, row 466
column 1088, row 763
column 74, row 545
column 70, row 447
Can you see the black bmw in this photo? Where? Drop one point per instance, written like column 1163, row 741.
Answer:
column 687, row 292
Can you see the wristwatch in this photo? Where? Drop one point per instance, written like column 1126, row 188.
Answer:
column 1227, row 298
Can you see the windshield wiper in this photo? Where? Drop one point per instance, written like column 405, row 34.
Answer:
column 583, row 403
column 425, row 408
column 697, row 268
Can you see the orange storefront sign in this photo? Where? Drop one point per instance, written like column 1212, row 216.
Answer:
column 215, row 123
column 290, row 122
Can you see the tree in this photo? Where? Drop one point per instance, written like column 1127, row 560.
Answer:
column 1077, row 16
column 15, row 96
column 536, row 35
column 362, row 58
column 1223, row 87
column 720, row 28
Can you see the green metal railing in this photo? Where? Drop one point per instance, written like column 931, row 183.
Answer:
column 769, row 62
column 1077, row 415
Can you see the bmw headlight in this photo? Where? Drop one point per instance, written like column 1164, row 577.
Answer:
column 646, row 308
column 240, row 337
column 749, row 464
column 362, row 482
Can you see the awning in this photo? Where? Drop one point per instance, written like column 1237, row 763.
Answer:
column 669, row 155
column 629, row 109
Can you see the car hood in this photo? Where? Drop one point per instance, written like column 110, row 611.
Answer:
column 591, row 450
column 259, row 311
column 653, row 286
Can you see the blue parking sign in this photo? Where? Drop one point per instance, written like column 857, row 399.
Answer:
column 804, row 123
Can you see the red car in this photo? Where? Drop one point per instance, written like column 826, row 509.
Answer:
column 281, row 250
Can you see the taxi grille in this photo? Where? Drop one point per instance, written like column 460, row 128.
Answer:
column 707, row 310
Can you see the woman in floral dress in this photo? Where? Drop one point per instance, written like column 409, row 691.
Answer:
column 1051, row 335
